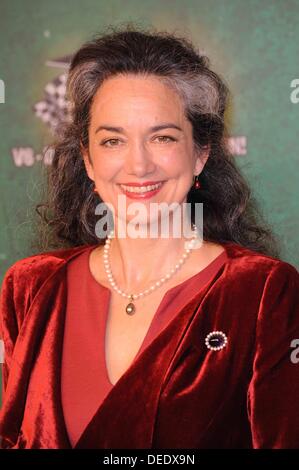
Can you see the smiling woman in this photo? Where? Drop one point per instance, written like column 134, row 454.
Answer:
column 149, row 342
column 122, row 94
column 154, row 142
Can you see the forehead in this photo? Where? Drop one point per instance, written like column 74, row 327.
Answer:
column 131, row 94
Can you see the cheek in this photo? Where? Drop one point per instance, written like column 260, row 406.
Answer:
column 105, row 170
column 175, row 162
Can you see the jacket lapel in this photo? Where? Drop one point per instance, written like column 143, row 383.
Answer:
column 126, row 417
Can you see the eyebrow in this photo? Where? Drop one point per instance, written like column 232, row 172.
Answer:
column 167, row 125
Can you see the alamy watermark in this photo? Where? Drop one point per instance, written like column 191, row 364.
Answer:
column 2, row 91
column 294, row 96
column 295, row 353
column 158, row 220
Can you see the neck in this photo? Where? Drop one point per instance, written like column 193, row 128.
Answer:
column 138, row 262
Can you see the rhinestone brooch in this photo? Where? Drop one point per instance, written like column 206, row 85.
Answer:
column 216, row 340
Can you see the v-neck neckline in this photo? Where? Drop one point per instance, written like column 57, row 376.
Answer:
column 222, row 269
column 197, row 276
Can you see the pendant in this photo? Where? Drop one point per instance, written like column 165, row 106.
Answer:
column 130, row 308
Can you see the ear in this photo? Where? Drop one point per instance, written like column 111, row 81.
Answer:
column 201, row 158
column 87, row 162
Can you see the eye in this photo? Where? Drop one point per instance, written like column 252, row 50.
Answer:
column 105, row 142
column 163, row 137
column 113, row 142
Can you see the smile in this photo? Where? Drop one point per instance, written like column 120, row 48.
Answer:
column 141, row 191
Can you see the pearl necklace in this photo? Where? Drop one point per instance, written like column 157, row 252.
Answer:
column 130, row 308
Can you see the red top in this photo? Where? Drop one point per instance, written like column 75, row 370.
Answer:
column 84, row 377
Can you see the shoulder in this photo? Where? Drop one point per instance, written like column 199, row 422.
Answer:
column 248, row 273
column 26, row 277
column 263, row 289
column 245, row 262
column 35, row 269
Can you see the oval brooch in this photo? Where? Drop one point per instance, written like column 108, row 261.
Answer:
column 216, row 340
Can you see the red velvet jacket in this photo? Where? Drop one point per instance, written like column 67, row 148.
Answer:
column 179, row 393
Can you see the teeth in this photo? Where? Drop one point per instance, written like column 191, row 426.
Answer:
column 142, row 189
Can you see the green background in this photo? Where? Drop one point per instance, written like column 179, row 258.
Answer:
column 253, row 44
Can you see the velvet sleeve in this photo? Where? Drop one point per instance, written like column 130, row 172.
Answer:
column 273, row 393
column 8, row 330
column 8, row 323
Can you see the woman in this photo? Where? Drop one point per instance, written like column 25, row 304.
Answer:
column 149, row 342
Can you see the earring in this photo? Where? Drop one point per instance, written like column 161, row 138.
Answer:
column 196, row 182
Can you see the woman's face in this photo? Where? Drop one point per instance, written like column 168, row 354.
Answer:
column 135, row 152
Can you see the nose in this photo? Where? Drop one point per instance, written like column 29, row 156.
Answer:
column 139, row 161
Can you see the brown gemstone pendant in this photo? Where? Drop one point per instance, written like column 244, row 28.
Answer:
column 130, row 308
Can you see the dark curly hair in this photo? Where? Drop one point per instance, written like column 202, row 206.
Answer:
column 67, row 214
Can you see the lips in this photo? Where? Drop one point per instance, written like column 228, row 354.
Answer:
column 137, row 191
column 144, row 183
